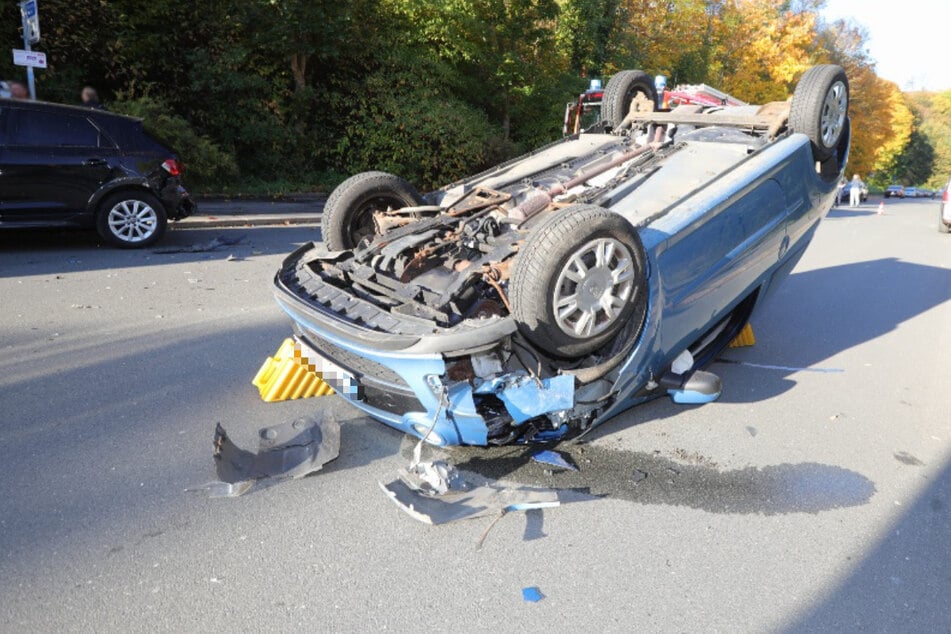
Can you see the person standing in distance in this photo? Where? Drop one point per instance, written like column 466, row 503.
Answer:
column 90, row 98
column 855, row 191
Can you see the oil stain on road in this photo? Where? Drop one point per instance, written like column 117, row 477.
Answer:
column 650, row 478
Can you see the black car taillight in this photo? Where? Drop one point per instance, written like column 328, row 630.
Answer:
column 173, row 167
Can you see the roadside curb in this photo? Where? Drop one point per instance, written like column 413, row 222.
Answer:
column 255, row 220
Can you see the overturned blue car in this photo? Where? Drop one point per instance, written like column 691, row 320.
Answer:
column 542, row 297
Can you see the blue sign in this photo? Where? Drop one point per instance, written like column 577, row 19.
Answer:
column 29, row 8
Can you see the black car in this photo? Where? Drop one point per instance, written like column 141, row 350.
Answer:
column 73, row 166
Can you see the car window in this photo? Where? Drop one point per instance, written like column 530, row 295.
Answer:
column 51, row 129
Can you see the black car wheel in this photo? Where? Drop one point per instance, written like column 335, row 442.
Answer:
column 578, row 279
column 131, row 219
column 820, row 108
column 620, row 93
column 348, row 215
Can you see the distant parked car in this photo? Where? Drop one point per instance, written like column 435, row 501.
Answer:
column 911, row 192
column 895, row 190
column 72, row 166
column 944, row 211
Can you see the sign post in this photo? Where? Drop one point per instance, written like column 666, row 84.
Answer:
column 31, row 35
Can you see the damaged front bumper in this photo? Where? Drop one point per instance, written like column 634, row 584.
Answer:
column 415, row 394
column 468, row 397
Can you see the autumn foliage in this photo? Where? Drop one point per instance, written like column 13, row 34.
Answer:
column 309, row 91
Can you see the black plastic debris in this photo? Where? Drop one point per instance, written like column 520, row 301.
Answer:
column 289, row 450
column 212, row 245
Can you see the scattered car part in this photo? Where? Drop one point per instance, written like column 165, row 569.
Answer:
column 289, row 450
column 532, row 594
column 204, row 247
column 482, row 501
column 554, row 459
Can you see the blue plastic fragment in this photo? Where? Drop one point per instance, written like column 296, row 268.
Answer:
column 692, row 397
column 532, row 594
column 553, row 458
column 525, row 399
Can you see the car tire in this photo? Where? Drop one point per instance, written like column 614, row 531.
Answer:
column 348, row 214
column 131, row 219
column 620, row 93
column 820, row 108
column 579, row 277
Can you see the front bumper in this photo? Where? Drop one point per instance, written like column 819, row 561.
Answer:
column 406, row 391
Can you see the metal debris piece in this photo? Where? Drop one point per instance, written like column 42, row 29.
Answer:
column 466, row 504
column 212, row 245
column 532, row 594
column 525, row 398
column 289, row 450
column 554, row 459
column 433, row 478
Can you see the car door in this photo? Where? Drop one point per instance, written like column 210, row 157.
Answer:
column 51, row 162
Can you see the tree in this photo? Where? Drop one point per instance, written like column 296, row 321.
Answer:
column 762, row 47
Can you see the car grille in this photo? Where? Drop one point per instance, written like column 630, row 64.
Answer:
column 355, row 364
column 390, row 400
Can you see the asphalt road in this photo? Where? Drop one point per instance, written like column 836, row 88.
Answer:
column 803, row 500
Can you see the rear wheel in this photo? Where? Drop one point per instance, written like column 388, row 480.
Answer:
column 578, row 279
column 820, row 109
column 627, row 90
column 131, row 219
column 348, row 215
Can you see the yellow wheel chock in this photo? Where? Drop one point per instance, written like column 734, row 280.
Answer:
column 289, row 375
column 745, row 338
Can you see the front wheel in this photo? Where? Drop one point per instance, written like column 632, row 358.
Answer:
column 348, row 214
column 578, row 279
column 131, row 219
column 820, row 109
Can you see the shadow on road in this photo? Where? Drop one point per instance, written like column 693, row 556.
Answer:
column 102, row 441
column 900, row 584
column 45, row 251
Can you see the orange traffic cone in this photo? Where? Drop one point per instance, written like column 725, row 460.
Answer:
column 881, row 209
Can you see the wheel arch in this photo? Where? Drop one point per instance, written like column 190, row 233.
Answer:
column 131, row 184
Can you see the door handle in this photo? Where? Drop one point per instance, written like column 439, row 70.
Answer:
column 95, row 162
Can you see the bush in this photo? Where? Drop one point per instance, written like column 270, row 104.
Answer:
column 207, row 166
column 403, row 125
